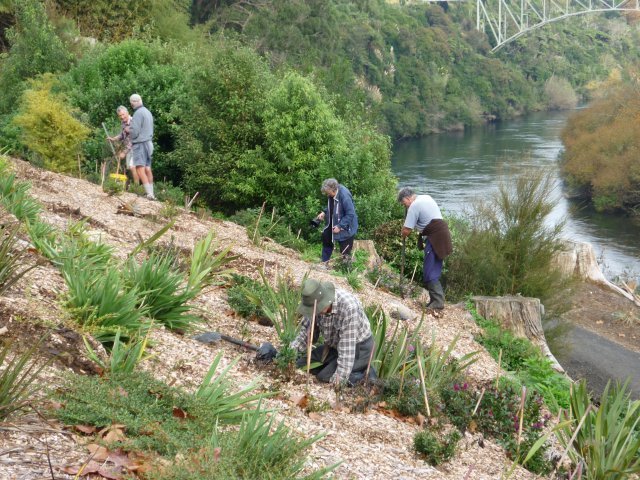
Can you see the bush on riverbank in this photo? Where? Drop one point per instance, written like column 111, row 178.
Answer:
column 506, row 248
column 602, row 151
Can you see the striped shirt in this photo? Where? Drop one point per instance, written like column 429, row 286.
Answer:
column 343, row 328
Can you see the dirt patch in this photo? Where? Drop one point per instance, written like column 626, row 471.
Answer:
column 606, row 313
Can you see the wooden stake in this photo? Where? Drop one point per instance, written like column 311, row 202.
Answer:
column 414, row 273
column 255, row 232
column 310, row 340
column 478, row 403
column 366, row 375
column 424, row 387
column 404, row 366
column 521, row 413
column 499, row 368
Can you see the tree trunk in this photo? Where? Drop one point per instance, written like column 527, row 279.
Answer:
column 369, row 247
column 520, row 315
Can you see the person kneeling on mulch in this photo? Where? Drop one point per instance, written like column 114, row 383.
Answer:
column 340, row 319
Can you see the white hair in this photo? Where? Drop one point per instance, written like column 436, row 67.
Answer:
column 122, row 108
column 330, row 185
column 135, row 99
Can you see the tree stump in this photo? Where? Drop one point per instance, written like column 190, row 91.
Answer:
column 520, row 315
column 369, row 247
column 579, row 260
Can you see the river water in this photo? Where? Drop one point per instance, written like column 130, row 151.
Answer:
column 456, row 168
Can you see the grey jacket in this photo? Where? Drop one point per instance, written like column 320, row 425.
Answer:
column 141, row 128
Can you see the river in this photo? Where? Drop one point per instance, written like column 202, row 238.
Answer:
column 457, row 168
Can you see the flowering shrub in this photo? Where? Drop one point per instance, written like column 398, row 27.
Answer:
column 498, row 416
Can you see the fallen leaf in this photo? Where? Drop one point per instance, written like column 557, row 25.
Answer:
column 411, row 420
column 110, row 473
column 113, row 433
column 86, row 469
column 179, row 413
column 120, row 459
column 216, row 454
column 473, row 426
column 300, row 401
column 98, row 452
column 315, row 416
column 420, row 419
column 88, row 429
column 382, row 404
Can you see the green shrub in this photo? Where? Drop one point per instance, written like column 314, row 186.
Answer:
column 49, row 127
column 35, row 49
column 261, row 449
column 434, row 450
column 146, row 406
column 240, row 302
column 498, row 416
column 507, row 248
column 389, row 246
column 608, row 441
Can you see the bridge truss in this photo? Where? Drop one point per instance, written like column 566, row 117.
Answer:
column 506, row 20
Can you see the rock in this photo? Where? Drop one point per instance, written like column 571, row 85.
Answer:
column 401, row 312
column 208, row 338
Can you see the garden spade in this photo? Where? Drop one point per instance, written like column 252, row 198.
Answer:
column 266, row 352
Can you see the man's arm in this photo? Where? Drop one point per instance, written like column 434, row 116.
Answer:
column 349, row 212
column 347, row 345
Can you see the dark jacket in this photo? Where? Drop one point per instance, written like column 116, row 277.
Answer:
column 344, row 214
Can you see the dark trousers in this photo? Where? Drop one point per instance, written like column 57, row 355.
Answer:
column 328, row 356
column 432, row 266
column 327, row 245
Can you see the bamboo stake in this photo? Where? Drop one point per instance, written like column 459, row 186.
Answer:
column 366, row 375
column 404, row 366
column 478, row 403
column 310, row 340
column 414, row 272
column 255, row 232
column 521, row 414
column 499, row 368
column 424, row 388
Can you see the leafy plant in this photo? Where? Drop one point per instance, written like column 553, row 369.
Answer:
column 434, row 450
column 439, row 366
column 208, row 267
column 393, row 354
column 18, row 378
column 162, row 290
column 10, row 257
column 238, row 300
column 15, row 198
column 225, row 406
column 606, row 439
column 98, row 300
column 123, row 358
column 280, row 305
column 44, row 237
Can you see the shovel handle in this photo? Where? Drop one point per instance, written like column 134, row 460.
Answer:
column 238, row 342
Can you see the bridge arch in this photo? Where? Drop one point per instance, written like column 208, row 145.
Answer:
column 506, row 20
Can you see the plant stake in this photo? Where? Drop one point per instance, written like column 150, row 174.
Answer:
column 310, row 340
column 424, row 387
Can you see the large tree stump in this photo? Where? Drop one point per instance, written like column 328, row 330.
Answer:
column 579, row 260
column 520, row 315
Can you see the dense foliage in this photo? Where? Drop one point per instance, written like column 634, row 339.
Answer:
column 602, row 147
column 423, row 67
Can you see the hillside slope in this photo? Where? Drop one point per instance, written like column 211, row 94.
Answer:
column 371, row 445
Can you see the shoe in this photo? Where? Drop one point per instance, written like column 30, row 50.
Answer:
column 150, row 197
column 435, row 312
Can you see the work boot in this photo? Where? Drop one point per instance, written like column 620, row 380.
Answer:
column 436, row 295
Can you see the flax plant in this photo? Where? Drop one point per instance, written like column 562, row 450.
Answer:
column 18, row 379
column 215, row 392
column 608, row 443
column 10, row 257
column 393, row 355
column 279, row 305
column 162, row 290
column 440, row 367
column 208, row 267
column 123, row 357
